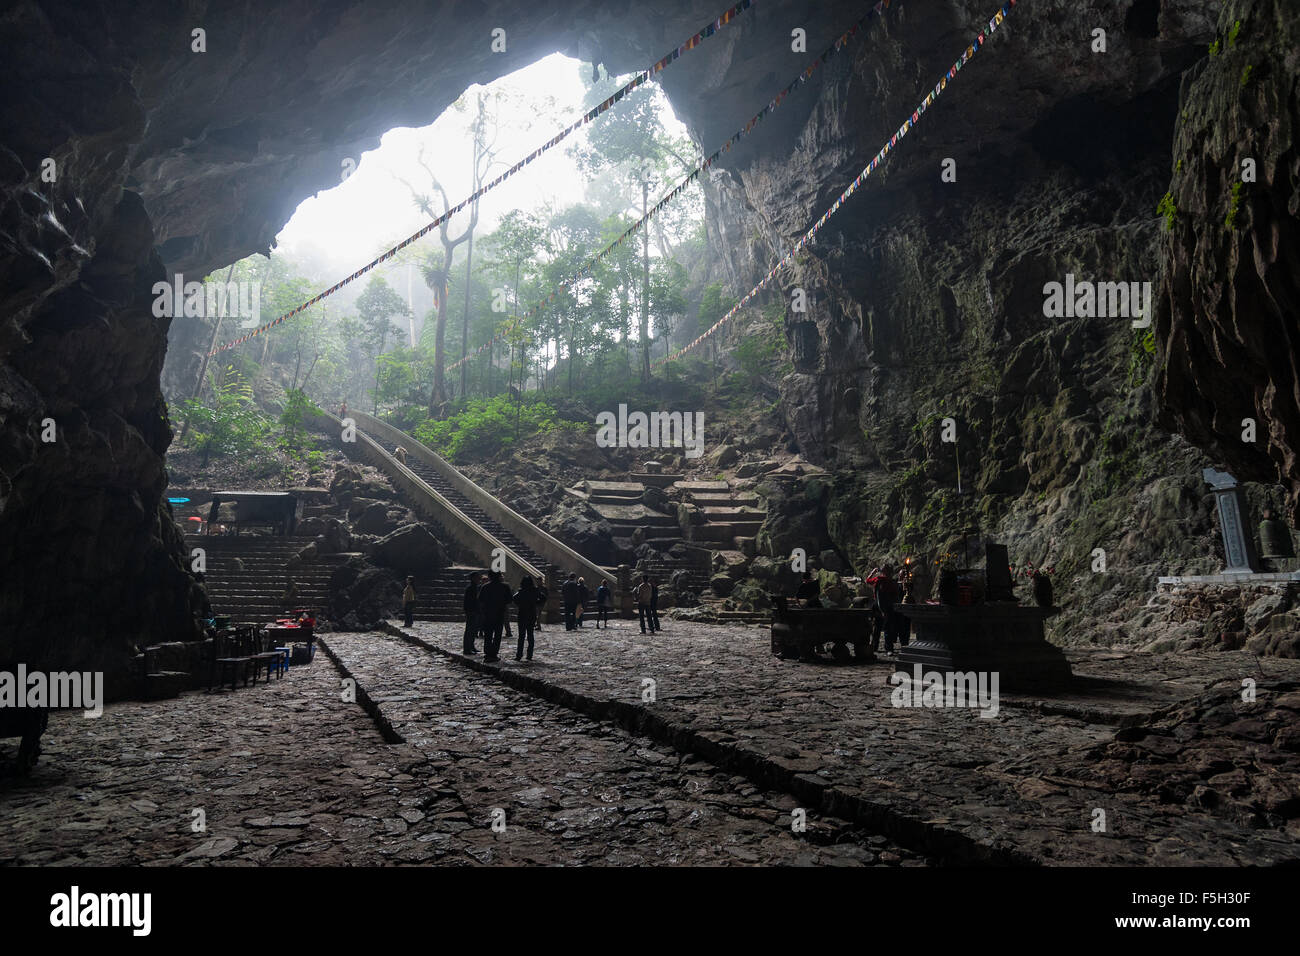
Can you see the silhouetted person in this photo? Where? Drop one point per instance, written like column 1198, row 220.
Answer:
column 482, row 622
column 408, row 601
column 527, row 600
column 493, row 600
column 471, row 615
column 810, row 591
column 887, row 594
column 569, row 594
column 343, row 410
column 604, row 601
column 654, row 604
column 583, row 595
column 643, row 594
column 542, row 595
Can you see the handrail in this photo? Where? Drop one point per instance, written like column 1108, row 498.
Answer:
column 458, row 525
column 553, row 550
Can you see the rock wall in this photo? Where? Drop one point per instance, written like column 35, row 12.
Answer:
column 169, row 160
column 1227, row 324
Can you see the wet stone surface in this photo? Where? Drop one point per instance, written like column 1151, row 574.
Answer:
column 290, row 774
column 1212, row 779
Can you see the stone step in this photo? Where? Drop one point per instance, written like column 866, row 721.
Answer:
column 706, row 486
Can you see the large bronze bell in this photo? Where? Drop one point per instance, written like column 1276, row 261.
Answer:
column 1275, row 539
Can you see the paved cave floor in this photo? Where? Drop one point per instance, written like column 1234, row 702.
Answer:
column 583, row 769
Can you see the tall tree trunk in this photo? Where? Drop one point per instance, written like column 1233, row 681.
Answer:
column 203, row 365
column 464, row 325
column 645, row 285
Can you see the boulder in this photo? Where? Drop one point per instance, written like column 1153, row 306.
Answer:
column 362, row 595
column 381, row 518
column 582, row 528
column 410, row 549
column 334, row 536
column 722, row 585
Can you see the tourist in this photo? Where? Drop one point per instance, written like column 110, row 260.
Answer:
column 482, row 623
column 542, row 595
column 604, row 601
column 569, row 594
column 471, row 615
column 492, row 601
column 654, row 604
column 583, row 595
column 408, row 601
column 887, row 598
column 400, row 454
column 528, row 600
column 343, row 410
column 643, row 595
column 809, row 593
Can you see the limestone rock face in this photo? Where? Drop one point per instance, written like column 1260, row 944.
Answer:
column 926, row 297
column 1227, row 326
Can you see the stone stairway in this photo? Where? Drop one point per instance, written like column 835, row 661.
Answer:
column 445, row 488
column 730, row 517
column 246, row 575
column 619, row 503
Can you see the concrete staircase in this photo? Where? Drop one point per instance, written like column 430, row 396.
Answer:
column 730, row 517
column 247, row 579
column 619, row 503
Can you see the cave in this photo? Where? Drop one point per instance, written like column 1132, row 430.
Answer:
column 132, row 152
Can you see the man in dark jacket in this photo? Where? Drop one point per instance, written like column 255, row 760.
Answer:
column 654, row 603
column 471, row 615
column 527, row 599
column 569, row 592
column 492, row 601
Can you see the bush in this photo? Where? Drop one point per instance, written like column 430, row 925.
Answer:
column 485, row 427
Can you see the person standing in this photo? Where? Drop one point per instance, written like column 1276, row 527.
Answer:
column 583, row 595
column 642, row 595
column 400, row 454
column 887, row 597
column 471, row 615
column 542, row 595
column 528, row 601
column 408, row 601
column 654, row 604
column 569, row 594
column 343, row 411
column 493, row 600
column 604, row 601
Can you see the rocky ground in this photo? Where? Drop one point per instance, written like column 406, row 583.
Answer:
column 587, row 766
column 290, row 774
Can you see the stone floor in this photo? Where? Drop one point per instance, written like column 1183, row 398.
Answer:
column 584, row 768
column 1217, row 780
column 289, row 774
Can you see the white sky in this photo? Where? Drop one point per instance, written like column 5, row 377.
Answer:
column 345, row 227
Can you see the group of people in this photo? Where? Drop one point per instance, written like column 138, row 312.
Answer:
column 575, row 594
column 487, row 606
column 880, row 592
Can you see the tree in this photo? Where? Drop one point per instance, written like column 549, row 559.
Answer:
column 376, row 306
column 230, row 423
column 437, row 269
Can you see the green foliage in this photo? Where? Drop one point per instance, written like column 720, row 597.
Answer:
column 1214, row 48
column 293, row 422
column 756, row 353
column 1230, row 220
column 1245, row 75
column 230, row 423
column 1232, row 34
column 1142, row 352
column 1169, row 210
column 484, row 427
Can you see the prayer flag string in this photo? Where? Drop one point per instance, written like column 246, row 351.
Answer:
column 808, row 236
column 708, row 31
column 840, row 42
